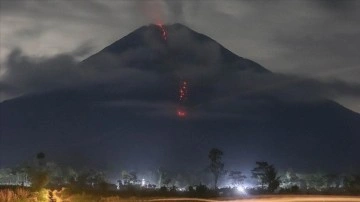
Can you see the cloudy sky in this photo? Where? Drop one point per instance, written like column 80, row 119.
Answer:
column 129, row 92
column 318, row 39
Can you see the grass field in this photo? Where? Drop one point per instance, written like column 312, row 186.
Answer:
column 24, row 195
column 294, row 198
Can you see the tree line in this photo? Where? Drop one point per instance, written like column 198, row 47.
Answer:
column 268, row 180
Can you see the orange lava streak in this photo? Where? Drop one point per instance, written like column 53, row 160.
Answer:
column 183, row 93
column 163, row 31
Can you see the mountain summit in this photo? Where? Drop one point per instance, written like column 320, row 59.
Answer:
column 165, row 47
column 123, row 110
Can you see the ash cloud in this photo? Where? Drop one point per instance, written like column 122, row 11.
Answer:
column 210, row 85
column 304, row 38
column 26, row 75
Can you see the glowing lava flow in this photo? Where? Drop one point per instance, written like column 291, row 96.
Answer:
column 181, row 113
column 183, row 93
column 163, row 31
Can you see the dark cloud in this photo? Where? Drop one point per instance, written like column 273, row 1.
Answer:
column 341, row 6
column 317, row 39
column 26, row 75
column 134, row 75
column 176, row 12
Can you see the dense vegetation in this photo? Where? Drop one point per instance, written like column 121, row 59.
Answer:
column 42, row 180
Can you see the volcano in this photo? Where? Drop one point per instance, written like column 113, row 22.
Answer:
column 126, row 111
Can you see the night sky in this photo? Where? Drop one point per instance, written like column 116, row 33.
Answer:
column 92, row 83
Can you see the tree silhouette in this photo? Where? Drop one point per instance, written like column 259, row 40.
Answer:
column 129, row 177
column 167, row 182
column 267, row 175
column 40, row 155
column 332, row 180
column 163, row 175
column 317, row 181
column 216, row 165
column 352, row 184
column 259, row 173
column 290, row 178
column 39, row 175
column 40, row 159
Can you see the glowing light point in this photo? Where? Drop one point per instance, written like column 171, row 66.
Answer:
column 183, row 95
column 143, row 182
column 181, row 113
column 241, row 189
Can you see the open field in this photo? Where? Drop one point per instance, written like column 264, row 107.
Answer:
column 45, row 195
column 295, row 198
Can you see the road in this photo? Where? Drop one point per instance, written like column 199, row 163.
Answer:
column 295, row 198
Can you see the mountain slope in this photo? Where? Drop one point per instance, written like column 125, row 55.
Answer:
column 130, row 119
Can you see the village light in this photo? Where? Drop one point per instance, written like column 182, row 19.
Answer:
column 143, row 182
column 241, row 189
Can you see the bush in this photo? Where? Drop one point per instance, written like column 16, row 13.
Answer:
column 39, row 180
column 291, row 190
column 352, row 184
column 17, row 195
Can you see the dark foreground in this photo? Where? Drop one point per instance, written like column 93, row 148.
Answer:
column 293, row 198
column 47, row 195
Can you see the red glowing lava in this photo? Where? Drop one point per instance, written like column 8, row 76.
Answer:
column 183, row 91
column 181, row 113
column 183, row 95
column 163, row 31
